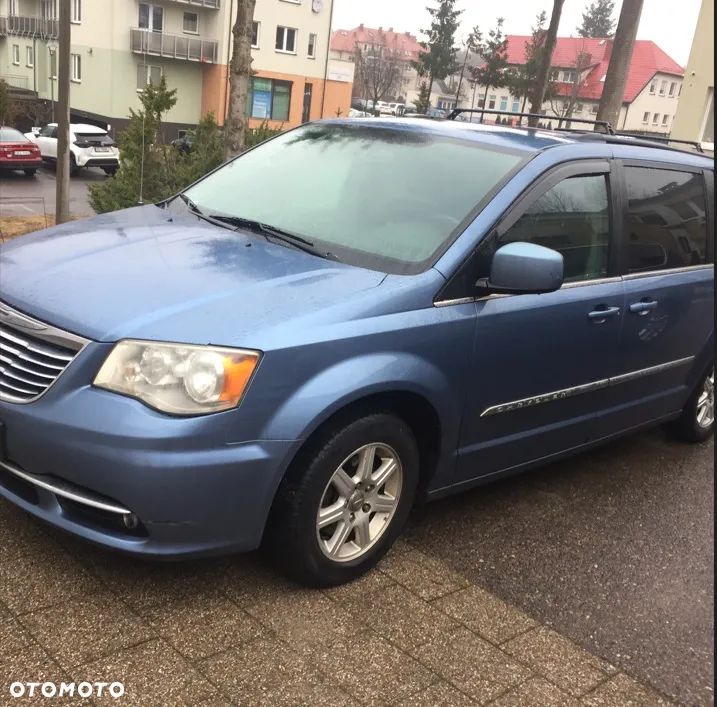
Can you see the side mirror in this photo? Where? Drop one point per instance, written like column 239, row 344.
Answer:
column 525, row 268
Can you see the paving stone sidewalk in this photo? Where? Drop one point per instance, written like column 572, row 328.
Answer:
column 232, row 632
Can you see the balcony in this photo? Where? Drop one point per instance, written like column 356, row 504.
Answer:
column 214, row 4
column 173, row 46
column 20, row 26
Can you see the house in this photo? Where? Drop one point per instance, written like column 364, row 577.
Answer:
column 695, row 119
column 120, row 46
column 579, row 65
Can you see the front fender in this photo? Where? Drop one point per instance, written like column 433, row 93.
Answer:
column 357, row 378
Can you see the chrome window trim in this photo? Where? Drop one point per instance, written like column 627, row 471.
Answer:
column 18, row 322
column 667, row 271
column 584, row 388
column 66, row 490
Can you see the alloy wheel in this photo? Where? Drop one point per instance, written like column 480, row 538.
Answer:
column 359, row 502
column 706, row 402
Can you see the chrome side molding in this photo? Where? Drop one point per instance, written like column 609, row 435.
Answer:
column 584, row 388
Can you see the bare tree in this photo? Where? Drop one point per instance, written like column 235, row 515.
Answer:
column 541, row 79
column 563, row 102
column 239, row 78
column 614, row 89
column 379, row 70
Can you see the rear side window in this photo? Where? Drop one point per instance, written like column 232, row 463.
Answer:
column 573, row 217
column 667, row 225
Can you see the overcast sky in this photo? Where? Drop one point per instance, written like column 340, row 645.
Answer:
column 669, row 24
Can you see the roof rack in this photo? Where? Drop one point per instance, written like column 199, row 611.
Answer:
column 609, row 134
column 490, row 111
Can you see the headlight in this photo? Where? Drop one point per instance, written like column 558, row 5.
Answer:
column 176, row 378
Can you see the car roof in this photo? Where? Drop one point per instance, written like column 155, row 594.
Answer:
column 533, row 140
column 84, row 128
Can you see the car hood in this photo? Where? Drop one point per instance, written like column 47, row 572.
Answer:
column 149, row 273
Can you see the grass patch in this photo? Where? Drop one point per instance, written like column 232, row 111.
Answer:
column 13, row 226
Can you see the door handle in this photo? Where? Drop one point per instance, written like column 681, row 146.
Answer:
column 601, row 314
column 642, row 307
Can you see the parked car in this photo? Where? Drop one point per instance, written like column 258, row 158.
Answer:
column 353, row 113
column 90, row 146
column 295, row 362
column 17, row 152
column 397, row 109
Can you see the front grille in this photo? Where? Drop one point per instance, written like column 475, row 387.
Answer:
column 31, row 357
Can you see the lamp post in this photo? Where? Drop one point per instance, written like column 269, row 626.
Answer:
column 52, row 48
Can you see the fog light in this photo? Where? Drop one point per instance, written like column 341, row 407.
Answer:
column 130, row 521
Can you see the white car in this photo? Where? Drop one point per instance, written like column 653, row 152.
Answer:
column 353, row 113
column 90, row 146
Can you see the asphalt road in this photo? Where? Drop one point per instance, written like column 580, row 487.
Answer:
column 615, row 549
column 23, row 196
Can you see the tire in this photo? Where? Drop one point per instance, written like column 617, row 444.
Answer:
column 360, row 536
column 74, row 169
column 696, row 423
column 30, row 172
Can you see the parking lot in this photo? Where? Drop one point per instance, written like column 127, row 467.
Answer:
column 23, row 196
column 585, row 583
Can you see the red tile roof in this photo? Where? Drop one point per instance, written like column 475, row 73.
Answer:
column 405, row 43
column 647, row 60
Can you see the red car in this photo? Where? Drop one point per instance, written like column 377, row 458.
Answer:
column 17, row 152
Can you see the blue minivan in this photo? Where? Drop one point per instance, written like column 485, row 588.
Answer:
column 347, row 319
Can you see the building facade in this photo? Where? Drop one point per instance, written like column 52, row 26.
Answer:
column 695, row 119
column 579, row 65
column 119, row 46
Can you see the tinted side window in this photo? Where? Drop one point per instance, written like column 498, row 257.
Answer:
column 667, row 226
column 573, row 217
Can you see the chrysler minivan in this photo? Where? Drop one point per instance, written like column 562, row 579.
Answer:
column 345, row 320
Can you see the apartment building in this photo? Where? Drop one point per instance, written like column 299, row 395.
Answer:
column 653, row 86
column 695, row 119
column 120, row 46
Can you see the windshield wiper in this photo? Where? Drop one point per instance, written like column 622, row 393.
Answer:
column 280, row 234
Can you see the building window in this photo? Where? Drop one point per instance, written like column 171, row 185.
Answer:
column 76, row 15
column 653, row 87
column 49, row 10
column 76, row 64
column 190, row 24
column 255, row 35
column 286, row 40
column 663, row 87
column 53, row 64
column 515, row 107
column 16, row 54
column 148, row 75
column 312, row 46
column 270, row 100
column 666, row 226
column 646, row 117
column 504, row 102
column 655, row 118
column 594, row 108
column 12, row 7
column 151, row 17
column 491, row 102
column 673, row 86
column 665, row 119
column 30, row 56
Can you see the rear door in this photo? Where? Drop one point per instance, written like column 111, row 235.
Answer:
column 541, row 362
column 47, row 142
column 668, row 256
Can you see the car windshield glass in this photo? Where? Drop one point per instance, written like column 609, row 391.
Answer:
column 95, row 138
column 384, row 198
column 11, row 135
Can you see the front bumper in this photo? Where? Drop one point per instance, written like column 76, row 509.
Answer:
column 191, row 491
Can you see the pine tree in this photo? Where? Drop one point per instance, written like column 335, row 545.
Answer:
column 438, row 59
column 597, row 19
column 492, row 73
column 423, row 102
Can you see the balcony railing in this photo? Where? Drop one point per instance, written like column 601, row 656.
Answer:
column 21, row 82
column 28, row 27
column 214, row 4
column 174, row 46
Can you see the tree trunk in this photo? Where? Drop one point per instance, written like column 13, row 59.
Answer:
column 485, row 101
column 623, row 44
column 239, row 78
column 541, row 80
column 430, row 92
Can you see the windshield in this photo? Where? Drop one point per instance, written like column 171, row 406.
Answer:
column 384, row 198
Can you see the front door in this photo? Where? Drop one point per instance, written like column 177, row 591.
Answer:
column 306, row 112
column 541, row 362
column 669, row 288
